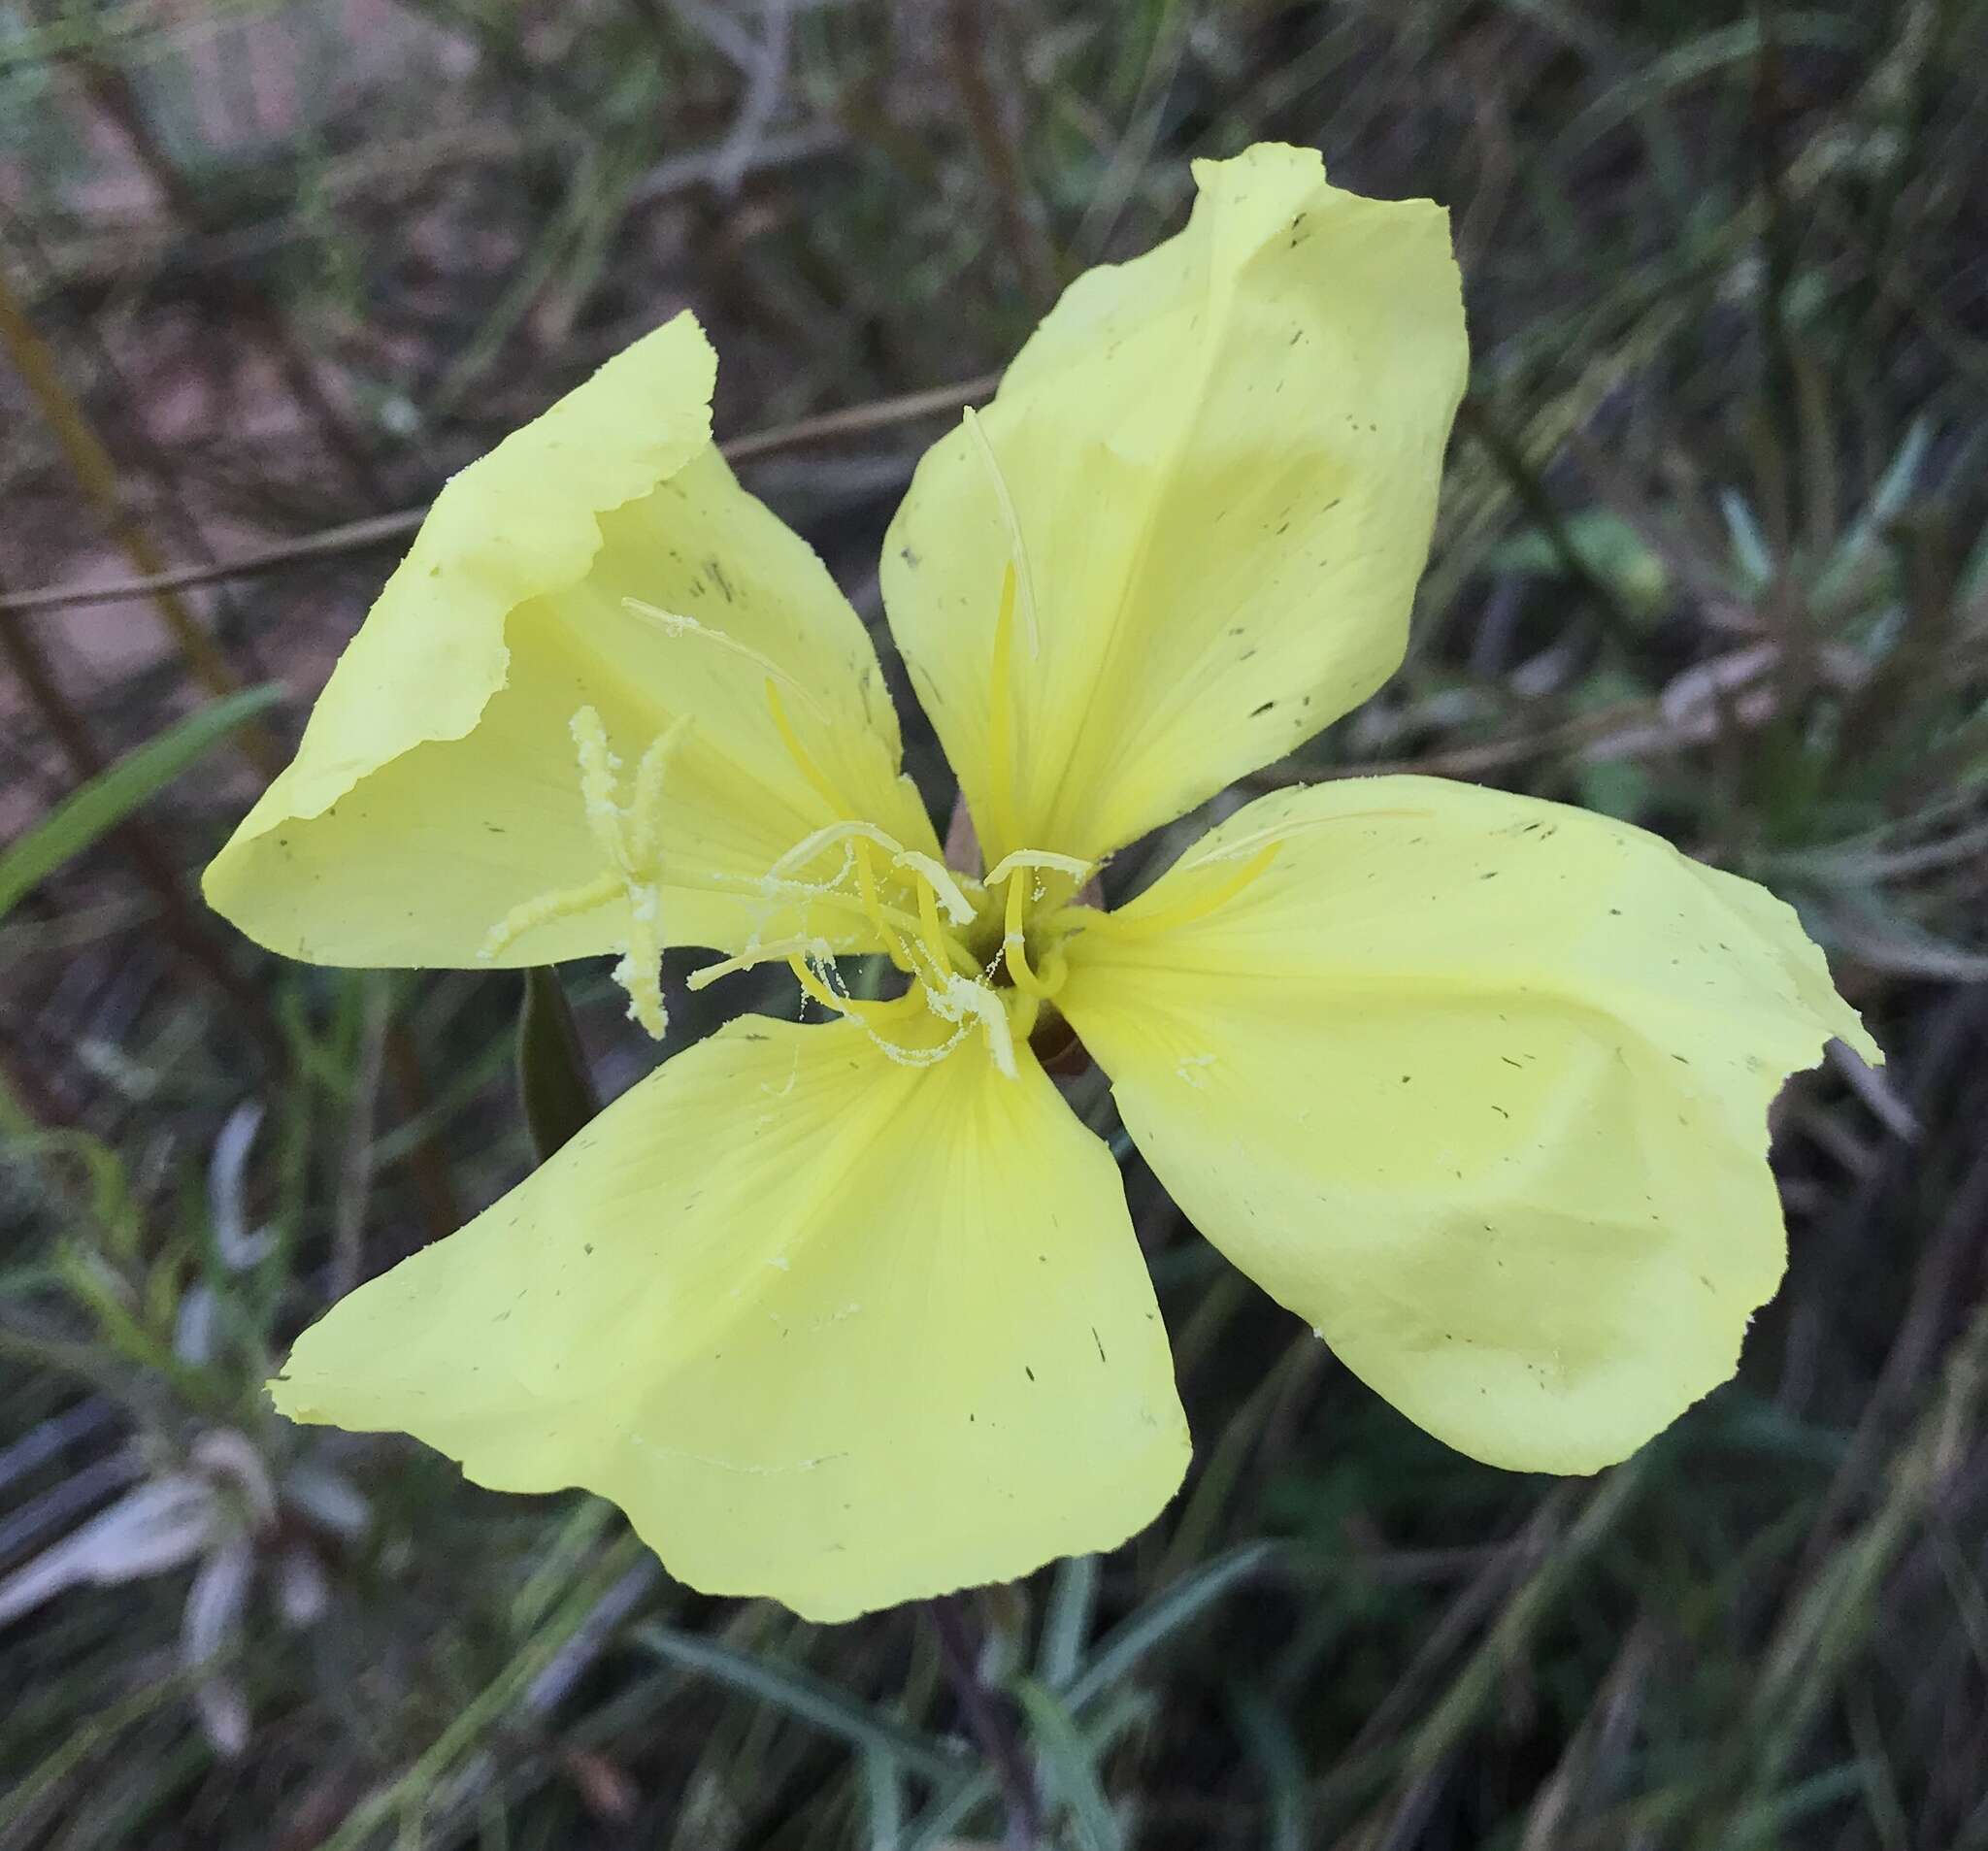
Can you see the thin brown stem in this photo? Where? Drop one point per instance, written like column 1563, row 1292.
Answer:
column 89, row 462
column 966, row 39
column 1529, row 489
column 119, row 106
column 1771, row 123
column 989, row 1721
column 379, row 530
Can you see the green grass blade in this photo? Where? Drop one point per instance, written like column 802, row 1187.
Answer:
column 883, row 1800
column 1067, row 1759
column 1072, row 1605
column 1170, row 1611
column 810, row 1698
column 102, row 804
column 1267, row 1737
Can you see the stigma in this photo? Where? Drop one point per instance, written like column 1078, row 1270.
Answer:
column 629, row 837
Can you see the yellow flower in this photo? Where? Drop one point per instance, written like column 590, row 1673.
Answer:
column 853, row 1312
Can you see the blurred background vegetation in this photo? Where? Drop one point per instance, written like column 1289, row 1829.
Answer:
column 1711, row 557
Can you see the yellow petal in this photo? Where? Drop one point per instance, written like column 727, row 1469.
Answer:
column 1222, row 461
column 827, row 1327
column 436, row 789
column 1477, row 1086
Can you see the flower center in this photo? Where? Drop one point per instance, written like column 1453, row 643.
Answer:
column 979, row 955
column 964, row 944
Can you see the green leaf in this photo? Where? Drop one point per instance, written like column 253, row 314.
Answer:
column 108, row 798
column 1611, row 547
column 553, row 1084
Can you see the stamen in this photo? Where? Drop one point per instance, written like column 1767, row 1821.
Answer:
column 707, row 975
column 810, row 771
column 868, row 1013
column 816, row 973
column 1017, row 548
column 1022, row 1016
column 932, row 933
column 866, row 887
column 961, row 998
column 676, row 624
column 1077, row 870
column 808, row 846
column 813, row 948
column 813, row 986
column 1001, row 714
column 888, row 919
column 939, row 878
column 1013, row 945
column 948, row 953
column 567, row 903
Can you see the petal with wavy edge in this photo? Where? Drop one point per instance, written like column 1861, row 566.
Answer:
column 437, row 784
column 828, row 1328
column 1222, row 460
column 1477, row 1085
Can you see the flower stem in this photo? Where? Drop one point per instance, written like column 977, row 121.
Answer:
column 989, row 1721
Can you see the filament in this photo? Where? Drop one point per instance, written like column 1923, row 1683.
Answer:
column 675, row 624
column 1017, row 548
column 810, row 771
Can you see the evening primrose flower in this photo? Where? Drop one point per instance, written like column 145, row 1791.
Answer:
column 851, row 1312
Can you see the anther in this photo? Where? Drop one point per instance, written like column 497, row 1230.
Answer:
column 1077, row 869
column 939, row 878
column 960, row 999
column 828, row 837
column 778, row 950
